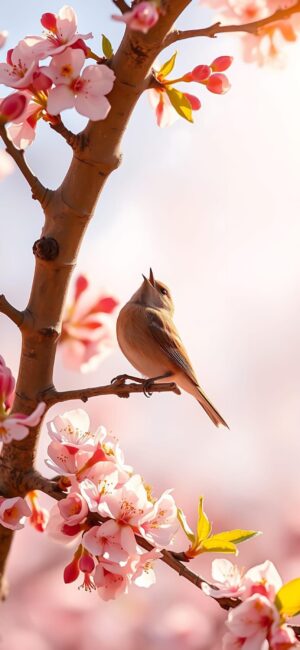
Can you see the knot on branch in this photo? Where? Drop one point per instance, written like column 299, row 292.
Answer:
column 46, row 248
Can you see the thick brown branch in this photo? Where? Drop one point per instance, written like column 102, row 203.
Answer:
column 39, row 192
column 217, row 28
column 122, row 5
column 11, row 312
column 121, row 390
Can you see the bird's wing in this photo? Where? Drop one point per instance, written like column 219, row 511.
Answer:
column 165, row 334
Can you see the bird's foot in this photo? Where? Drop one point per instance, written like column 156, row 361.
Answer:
column 121, row 379
column 146, row 387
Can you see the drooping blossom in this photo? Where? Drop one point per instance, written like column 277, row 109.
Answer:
column 112, row 580
column 13, row 512
column 88, row 326
column 16, row 426
column 141, row 18
column 61, row 32
column 21, row 63
column 86, row 92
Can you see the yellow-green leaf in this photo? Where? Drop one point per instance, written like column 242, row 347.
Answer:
column 107, row 47
column 167, row 67
column 213, row 545
column 236, row 536
column 184, row 525
column 288, row 598
column 203, row 525
column 180, row 102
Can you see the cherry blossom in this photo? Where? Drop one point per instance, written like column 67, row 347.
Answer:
column 39, row 516
column 12, row 107
column 227, row 579
column 73, row 508
column 59, row 530
column 22, row 131
column 160, row 525
column 252, row 620
column 282, row 637
column 61, row 33
column 13, row 512
column 144, row 575
column 262, row 579
column 20, row 66
column 16, row 426
column 141, row 18
column 88, row 327
column 112, row 580
column 111, row 542
column 86, row 92
column 129, row 504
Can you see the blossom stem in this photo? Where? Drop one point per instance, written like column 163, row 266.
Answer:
column 217, row 28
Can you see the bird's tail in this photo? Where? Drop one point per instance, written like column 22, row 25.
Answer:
column 210, row 409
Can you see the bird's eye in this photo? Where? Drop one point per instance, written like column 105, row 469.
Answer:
column 163, row 291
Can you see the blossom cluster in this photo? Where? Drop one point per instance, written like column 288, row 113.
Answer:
column 107, row 506
column 88, row 327
column 259, row 622
column 43, row 91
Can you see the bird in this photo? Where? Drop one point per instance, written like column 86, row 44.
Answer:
column 150, row 341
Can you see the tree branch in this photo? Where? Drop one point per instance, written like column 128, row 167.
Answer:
column 122, row 5
column 11, row 312
column 39, row 192
column 53, row 396
column 217, row 28
column 77, row 141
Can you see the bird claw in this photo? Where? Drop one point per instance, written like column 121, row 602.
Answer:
column 119, row 379
column 146, row 386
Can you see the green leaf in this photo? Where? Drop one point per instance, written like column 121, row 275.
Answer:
column 203, row 525
column 107, row 47
column 167, row 67
column 184, row 525
column 288, row 598
column 180, row 102
column 236, row 536
column 213, row 545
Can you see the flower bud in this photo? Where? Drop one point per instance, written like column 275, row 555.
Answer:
column 70, row 531
column 48, row 21
column 71, row 571
column 218, row 84
column 201, row 73
column 221, row 63
column 12, row 107
column 86, row 563
column 194, row 101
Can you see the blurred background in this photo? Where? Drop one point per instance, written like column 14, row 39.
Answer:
column 214, row 209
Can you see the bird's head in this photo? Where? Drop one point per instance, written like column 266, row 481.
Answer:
column 153, row 293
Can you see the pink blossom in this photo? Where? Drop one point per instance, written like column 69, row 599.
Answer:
column 12, row 107
column 164, row 111
column 93, row 493
column 263, row 579
column 73, row 508
column 141, row 18
column 218, row 83
column 160, row 524
column 62, row 33
column 144, row 575
column 228, row 580
column 16, row 426
column 111, row 580
column 18, row 71
column 7, row 384
column 22, row 131
column 252, row 620
column 73, row 445
column 86, row 92
column 129, row 504
column 88, row 327
column 199, row 74
column 221, row 63
column 59, row 530
column 111, row 542
column 282, row 637
column 13, row 512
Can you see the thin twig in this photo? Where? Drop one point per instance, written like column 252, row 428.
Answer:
column 38, row 190
column 122, row 5
column 217, row 28
column 11, row 312
column 78, row 141
column 121, row 390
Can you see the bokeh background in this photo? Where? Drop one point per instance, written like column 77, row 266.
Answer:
column 214, row 209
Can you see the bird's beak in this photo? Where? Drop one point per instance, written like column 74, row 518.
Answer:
column 151, row 278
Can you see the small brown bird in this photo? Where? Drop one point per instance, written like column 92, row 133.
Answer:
column 149, row 340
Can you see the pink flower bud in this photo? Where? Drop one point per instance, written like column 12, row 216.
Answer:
column 221, row 63
column 194, row 101
column 48, row 21
column 40, row 81
column 218, row 84
column 201, row 73
column 81, row 45
column 86, row 563
column 7, row 382
column 12, row 107
column 70, row 531
column 141, row 18
column 71, row 571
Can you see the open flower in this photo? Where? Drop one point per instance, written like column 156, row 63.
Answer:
column 85, row 92
column 73, row 508
column 159, row 525
column 22, row 130
column 141, row 18
column 128, row 504
column 13, row 512
column 16, row 426
column 20, row 66
column 61, row 32
column 88, row 327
